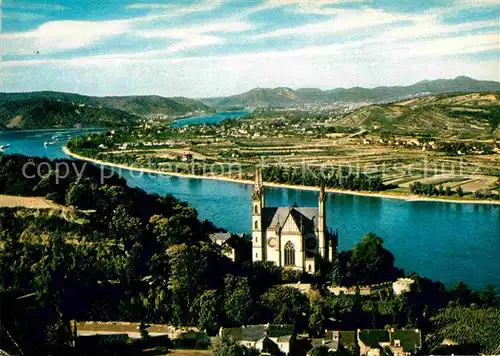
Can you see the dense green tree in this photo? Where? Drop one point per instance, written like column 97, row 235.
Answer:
column 208, row 307
column 462, row 293
column 176, row 229
column 228, row 347
column 125, row 227
column 81, row 195
column 54, row 275
column 262, row 275
column 285, row 305
column 109, row 197
column 317, row 314
column 336, row 275
column 238, row 302
column 371, row 262
column 337, row 306
column 190, row 267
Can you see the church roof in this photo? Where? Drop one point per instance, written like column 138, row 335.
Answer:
column 331, row 344
column 246, row 333
column 305, row 218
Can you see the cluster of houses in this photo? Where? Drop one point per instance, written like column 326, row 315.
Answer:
column 282, row 339
column 254, row 129
column 408, row 142
column 268, row 339
column 161, row 117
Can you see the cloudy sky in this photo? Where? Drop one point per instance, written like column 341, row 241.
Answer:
column 223, row 47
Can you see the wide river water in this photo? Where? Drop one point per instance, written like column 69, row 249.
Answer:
column 442, row 241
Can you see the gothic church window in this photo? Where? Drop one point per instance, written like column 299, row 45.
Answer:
column 289, row 254
column 256, row 209
column 256, row 224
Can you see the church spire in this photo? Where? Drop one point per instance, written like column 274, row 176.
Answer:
column 321, row 197
column 323, row 244
column 258, row 251
column 258, row 188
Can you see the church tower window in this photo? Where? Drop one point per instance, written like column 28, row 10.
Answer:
column 256, row 224
column 289, row 254
column 256, row 209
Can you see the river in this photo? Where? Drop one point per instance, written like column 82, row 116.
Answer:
column 442, row 241
column 210, row 119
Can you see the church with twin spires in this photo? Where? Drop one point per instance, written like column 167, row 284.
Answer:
column 291, row 237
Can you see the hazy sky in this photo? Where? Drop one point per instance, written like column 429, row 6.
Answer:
column 222, row 47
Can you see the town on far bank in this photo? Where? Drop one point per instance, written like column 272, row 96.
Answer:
column 353, row 149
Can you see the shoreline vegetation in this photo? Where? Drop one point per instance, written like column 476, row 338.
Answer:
column 383, row 195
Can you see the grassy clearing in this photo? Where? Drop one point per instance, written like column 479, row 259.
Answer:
column 12, row 201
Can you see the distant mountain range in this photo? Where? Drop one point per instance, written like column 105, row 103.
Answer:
column 57, row 109
column 263, row 97
column 48, row 109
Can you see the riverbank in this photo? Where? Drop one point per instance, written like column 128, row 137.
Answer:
column 384, row 195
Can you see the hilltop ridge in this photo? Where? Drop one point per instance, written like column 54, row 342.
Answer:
column 48, row 109
column 133, row 104
column 283, row 96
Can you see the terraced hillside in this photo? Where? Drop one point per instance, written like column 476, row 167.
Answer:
column 475, row 115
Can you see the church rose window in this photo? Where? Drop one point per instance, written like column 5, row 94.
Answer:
column 289, row 254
